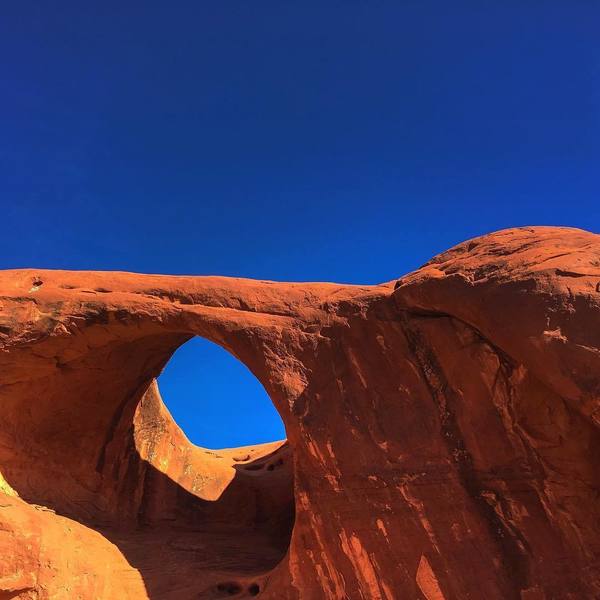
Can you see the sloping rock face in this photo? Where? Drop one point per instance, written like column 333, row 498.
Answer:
column 443, row 436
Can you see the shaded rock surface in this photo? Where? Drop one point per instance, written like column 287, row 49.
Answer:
column 443, row 436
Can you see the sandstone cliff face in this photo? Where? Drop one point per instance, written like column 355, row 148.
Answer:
column 443, row 436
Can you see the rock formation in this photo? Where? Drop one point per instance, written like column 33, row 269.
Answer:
column 443, row 433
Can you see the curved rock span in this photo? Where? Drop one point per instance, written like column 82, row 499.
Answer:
column 442, row 432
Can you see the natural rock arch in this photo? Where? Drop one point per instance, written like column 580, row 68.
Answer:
column 444, row 428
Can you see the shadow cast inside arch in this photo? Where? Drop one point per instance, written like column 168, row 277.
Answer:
column 201, row 524
column 186, row 547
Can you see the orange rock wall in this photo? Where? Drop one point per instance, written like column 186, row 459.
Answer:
column 442, row 433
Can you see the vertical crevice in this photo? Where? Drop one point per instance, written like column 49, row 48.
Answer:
column 514, row 561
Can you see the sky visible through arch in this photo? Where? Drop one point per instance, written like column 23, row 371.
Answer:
column 215, row 398
column 341, row 141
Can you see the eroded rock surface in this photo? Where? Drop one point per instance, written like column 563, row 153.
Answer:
column 443, row 433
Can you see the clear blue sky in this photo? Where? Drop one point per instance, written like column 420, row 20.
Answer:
column 345, row 141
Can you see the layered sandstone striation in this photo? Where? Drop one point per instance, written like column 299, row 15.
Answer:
column 443, row 433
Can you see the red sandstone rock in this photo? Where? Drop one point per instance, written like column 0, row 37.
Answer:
column 443, row 434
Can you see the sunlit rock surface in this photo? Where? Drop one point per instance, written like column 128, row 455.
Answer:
column 442, row 431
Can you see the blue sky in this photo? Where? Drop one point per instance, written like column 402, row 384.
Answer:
column 343, row 141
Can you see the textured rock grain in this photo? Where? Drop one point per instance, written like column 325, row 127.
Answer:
column 443, row 433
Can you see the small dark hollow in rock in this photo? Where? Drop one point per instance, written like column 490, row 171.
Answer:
column 277, row 463
column 230, row 588
column 253, row 467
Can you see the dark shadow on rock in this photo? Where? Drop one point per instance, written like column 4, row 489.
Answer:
column 185, row 547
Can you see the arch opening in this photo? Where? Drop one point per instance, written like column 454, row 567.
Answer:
column 216, row 400
column 226, row 489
